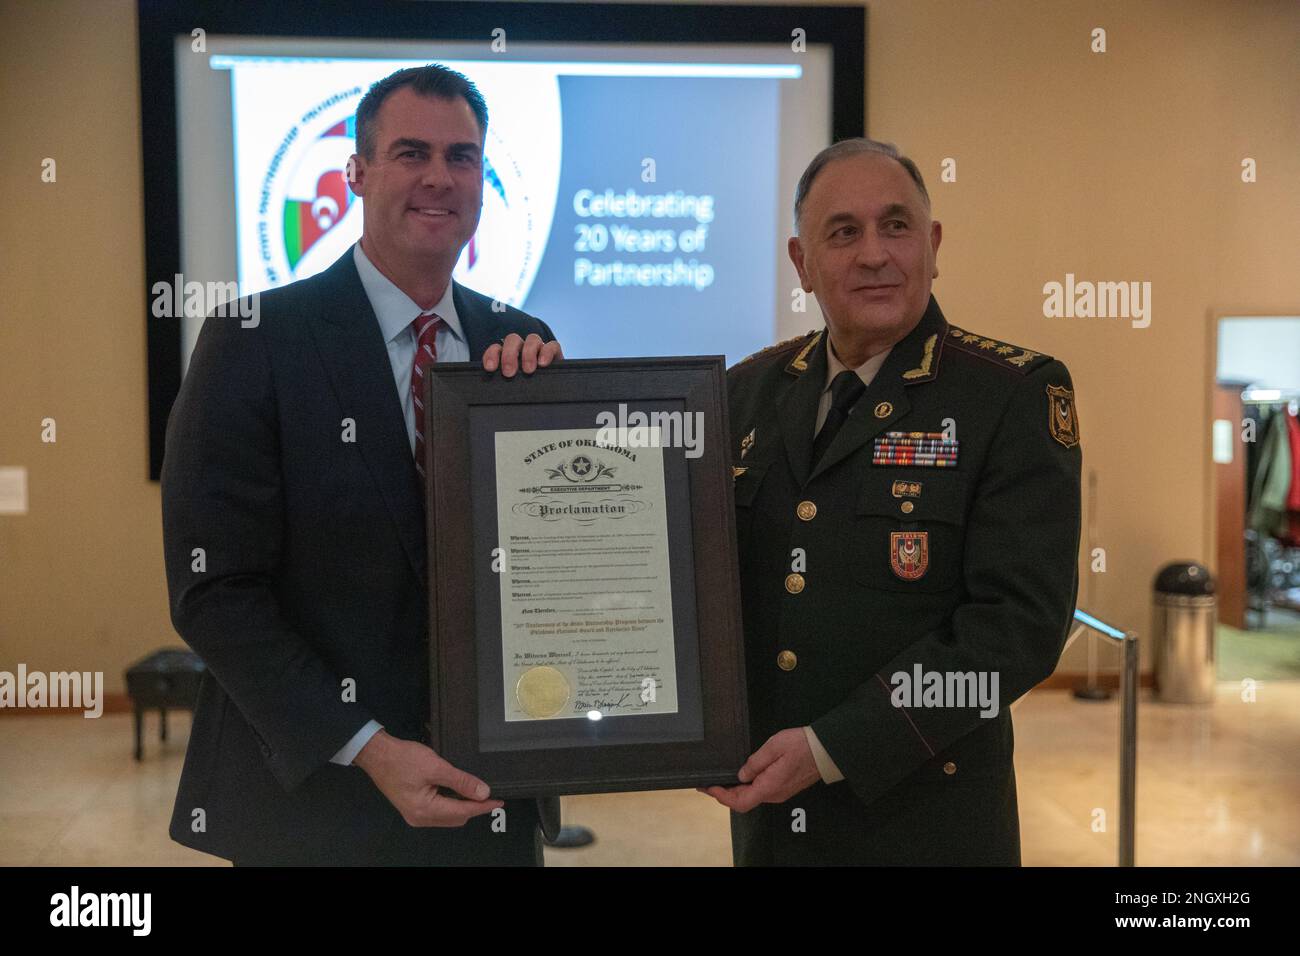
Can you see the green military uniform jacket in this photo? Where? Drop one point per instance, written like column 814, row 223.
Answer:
column 995, row 540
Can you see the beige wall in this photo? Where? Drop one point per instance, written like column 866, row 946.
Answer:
column 1122, row 166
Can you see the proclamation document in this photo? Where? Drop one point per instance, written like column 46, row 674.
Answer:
column 586, row 598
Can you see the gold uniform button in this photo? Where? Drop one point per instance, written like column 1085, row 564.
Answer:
column 806, row 511
column 950, row 768
column 907, row 507
column 794, row 583
column 786, row 660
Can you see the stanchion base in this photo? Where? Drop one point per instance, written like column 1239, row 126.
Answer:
column 1093, row 693
column 572, row 838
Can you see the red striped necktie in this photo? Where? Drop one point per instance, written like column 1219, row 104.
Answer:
column 426, row 353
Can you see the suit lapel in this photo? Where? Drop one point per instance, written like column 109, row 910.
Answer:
column 913, row 360
column 355, row 356
column 479, row 323
column 797, row 409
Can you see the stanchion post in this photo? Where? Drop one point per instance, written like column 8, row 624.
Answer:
column 1128, row 750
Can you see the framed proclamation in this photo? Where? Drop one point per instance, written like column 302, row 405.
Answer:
column 584, row 595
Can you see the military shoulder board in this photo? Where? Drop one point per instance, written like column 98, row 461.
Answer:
column 775, row 348
column 1004, row 354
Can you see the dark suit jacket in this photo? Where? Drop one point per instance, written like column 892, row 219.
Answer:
column 312, row 570
column 923, row 784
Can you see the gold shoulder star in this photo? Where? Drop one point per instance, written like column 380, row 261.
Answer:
column 970, row 337
column 1005, row 350
column 987, row 344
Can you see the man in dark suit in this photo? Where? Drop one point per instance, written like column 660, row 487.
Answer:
column 294, row 531
column 907, row 501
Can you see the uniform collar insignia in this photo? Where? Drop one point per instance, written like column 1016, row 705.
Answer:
column 799, row 364
column 923, row 346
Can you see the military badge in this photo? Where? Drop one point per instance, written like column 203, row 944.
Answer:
column 909, row 554
column 1062, row 419
column 747, row 443
column 906, row 489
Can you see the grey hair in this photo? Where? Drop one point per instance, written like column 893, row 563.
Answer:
column 853, row 147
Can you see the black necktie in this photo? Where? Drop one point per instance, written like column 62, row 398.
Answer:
column 846, row 389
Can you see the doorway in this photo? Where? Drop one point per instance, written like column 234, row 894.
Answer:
column 1256, row 451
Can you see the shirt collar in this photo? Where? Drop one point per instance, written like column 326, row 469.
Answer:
column 866, row 371
column 396, row 310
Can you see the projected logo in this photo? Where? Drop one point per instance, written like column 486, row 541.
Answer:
column 308, row 215
column 318, row 196
column 502, row 257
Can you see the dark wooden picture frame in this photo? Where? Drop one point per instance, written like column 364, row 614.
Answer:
column 618, row 753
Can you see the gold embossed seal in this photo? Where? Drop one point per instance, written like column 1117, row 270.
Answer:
column 542, row 691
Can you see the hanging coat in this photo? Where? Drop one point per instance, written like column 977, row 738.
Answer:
column 1293, row 494
column 1268, row 511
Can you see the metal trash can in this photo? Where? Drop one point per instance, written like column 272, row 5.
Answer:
column 1183, row 620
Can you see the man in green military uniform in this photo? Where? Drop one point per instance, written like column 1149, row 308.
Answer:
column 907, row 501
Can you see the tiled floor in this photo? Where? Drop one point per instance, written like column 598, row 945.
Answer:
column 1216, row 786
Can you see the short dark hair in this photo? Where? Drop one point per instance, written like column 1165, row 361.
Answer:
column 854, row 147
column 431, row 80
